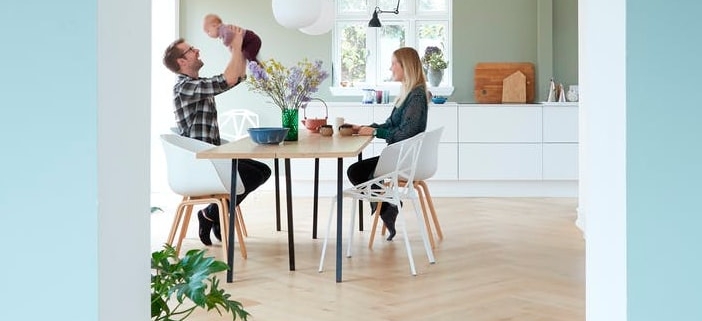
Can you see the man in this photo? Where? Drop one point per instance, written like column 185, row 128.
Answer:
column 196, row 114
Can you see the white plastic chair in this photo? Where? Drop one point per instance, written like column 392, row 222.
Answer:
column 427, row 166
column 386, row 187
column 200, row 181
column 235, row 122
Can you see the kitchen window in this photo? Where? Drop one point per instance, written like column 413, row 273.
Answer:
column 361, row 55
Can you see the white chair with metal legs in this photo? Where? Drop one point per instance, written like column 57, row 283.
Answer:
column 200, row 182
column 426, row 168
column 386, row 187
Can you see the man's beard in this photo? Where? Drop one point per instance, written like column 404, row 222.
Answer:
column 199, row 64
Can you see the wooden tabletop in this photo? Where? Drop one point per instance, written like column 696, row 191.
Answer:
column 308, row 145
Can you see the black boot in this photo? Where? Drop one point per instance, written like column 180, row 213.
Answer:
column 388, row 213
column 205, row 228
column 212, row 213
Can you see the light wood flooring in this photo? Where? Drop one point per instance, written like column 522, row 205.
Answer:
column 501, row 259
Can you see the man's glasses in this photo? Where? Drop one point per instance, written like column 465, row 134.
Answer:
column 188, row 50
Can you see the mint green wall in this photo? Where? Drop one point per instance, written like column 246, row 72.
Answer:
column 664, row 160
column 48, row 221
column 565, row 42
column 483, row 30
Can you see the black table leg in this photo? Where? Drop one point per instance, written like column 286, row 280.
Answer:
column 288, row 192
column 277, row 194
column 315, row 203
column 339, row 207
column 360, row 203
column 232, row 219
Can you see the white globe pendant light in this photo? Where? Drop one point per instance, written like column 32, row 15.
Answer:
column 296, row 14
column 324, row 22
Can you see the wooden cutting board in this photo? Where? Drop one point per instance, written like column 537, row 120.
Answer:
column 490, row 75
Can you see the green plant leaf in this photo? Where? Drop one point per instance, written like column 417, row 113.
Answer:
column 188, row 278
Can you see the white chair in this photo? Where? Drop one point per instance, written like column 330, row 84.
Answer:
column 386, row 187
column 235, row 122
column 200, row 182
column 426, row 168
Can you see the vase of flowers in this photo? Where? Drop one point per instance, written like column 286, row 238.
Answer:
column 289, row 88
column 434, row 65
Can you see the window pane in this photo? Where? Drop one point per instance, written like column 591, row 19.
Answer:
column 352, row 47
column 431, row 5
column 352, row 6
column 431, row 34
column 390, row 5
column 391, row 37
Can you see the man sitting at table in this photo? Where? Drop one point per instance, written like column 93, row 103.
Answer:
column 196, row 114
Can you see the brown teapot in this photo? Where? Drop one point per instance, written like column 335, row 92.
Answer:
column 313, row 124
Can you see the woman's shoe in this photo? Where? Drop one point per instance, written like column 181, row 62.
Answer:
column 205, row 228
column 388, row 213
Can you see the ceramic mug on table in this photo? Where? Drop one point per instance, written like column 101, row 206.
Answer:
column 338, row 121
column 346, row 130
column 326, row 130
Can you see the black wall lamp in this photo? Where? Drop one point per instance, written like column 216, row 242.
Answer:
column 375, row 22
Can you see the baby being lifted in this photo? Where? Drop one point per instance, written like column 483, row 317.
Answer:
column 251, row 43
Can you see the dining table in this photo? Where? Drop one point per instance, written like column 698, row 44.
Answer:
column 308, row 145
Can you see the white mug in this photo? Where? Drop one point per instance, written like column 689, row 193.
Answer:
column 338, row 122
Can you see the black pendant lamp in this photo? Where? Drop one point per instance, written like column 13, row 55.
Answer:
column 375, row 22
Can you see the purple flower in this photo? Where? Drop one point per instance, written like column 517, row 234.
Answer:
column 287, row 87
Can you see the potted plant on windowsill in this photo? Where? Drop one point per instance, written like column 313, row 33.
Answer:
column 434, row 64
column 191, row 278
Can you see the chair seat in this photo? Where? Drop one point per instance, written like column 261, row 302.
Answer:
column 200, row 182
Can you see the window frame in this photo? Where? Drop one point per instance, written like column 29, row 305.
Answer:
column 411, row 22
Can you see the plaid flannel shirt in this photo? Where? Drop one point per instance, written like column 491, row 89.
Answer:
column 195, row 108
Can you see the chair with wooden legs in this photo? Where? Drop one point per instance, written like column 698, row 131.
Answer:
column 401, row 159
column 200, row 182
column 426, row 168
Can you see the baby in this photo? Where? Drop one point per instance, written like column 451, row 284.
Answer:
column 250, row 45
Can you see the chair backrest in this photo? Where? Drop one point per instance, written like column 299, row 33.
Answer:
column 399, row 160
column 190, row 176
column 235, row 123
column 428, row 161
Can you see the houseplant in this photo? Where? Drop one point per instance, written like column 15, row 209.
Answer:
column 290, row 88
column 191, row 278
column 434, row 64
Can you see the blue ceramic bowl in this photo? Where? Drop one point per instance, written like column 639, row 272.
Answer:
column 268, row 135
column 438, row 99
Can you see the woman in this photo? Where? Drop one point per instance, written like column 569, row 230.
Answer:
column 408, row 118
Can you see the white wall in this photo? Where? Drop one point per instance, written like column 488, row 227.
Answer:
column 124, row 109
column 602, row 61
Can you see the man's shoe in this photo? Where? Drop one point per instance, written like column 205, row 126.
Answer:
column 205, row 228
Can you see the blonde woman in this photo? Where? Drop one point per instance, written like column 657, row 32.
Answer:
column 408, row 118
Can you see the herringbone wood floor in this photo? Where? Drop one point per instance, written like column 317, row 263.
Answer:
column 501, row 259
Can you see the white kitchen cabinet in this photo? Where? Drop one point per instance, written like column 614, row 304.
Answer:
column 496, row 124
column 445, row 115
column 560, row 161
column 560, row 150
column 485, row 149
column 481, row 161
column 560, row 124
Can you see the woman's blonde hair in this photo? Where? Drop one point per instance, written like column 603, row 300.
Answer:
column 408, row 58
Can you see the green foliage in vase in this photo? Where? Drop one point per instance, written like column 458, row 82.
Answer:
column 174, row 280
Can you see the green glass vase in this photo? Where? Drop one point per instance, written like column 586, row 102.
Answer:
column 290, row 120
